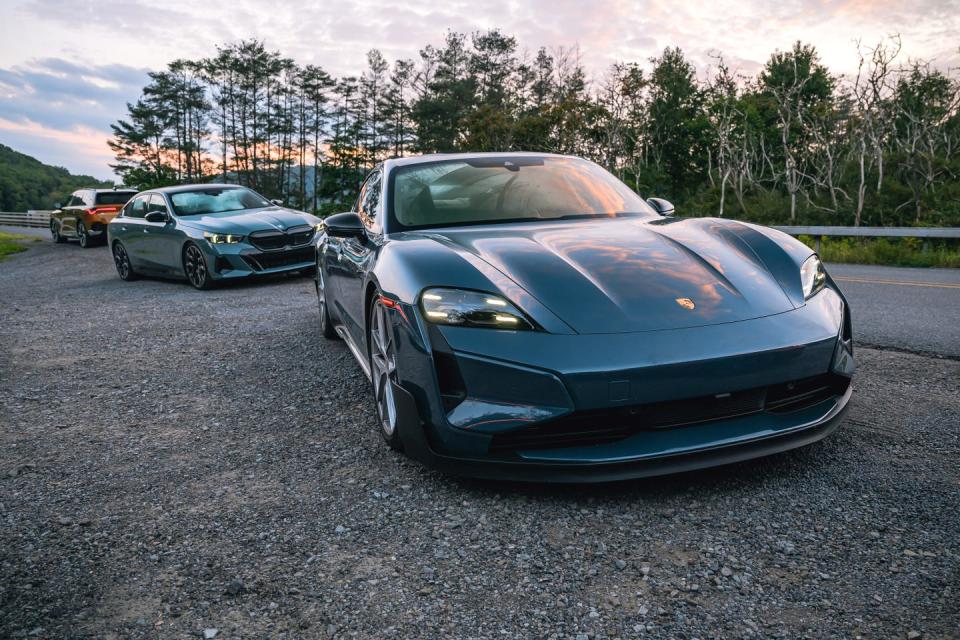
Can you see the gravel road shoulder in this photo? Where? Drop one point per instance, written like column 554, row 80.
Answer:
column 176, row 464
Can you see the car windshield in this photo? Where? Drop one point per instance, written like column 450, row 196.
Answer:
column 114, row 197
column 508, row 189
column 215, row 200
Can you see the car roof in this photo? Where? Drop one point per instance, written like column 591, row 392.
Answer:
column 115, row 190
column 437, row 157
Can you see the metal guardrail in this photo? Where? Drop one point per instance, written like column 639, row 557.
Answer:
column 873, row 232
column 39, row 219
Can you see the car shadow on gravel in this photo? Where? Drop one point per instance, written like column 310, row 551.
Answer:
column 735, row 477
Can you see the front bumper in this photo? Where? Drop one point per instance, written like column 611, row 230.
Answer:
column 510, row 384
column 241, row 260
column 763, row 443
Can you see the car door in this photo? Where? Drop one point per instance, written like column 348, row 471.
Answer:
column 69, row 214
column 130, row 231
column 58, row 214
column 357, row 253
column 163, row 238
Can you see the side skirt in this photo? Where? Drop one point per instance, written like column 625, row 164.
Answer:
column 364, row 365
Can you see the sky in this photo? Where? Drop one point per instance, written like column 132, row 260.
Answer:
column 68, row 67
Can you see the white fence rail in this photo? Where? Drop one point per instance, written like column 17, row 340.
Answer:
column 39, row 219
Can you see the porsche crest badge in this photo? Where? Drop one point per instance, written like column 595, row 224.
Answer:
column 686, row 303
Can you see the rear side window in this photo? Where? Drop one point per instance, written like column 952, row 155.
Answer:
column 113, row 197
column 137, row 208
column 76, row 200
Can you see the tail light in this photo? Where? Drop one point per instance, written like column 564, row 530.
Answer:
column 95, row 210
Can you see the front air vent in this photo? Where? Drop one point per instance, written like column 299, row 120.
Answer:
column 586, row 428
column 452, row 387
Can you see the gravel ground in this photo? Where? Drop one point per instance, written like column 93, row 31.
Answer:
column 177, row 463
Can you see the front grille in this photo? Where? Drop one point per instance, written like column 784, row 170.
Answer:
column 584, row 428
column 261, row 261
column 273, row 240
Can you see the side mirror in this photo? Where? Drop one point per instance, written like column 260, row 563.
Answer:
column 156, row 216
column 661, row 206
column 277, row 202
column 344, row 225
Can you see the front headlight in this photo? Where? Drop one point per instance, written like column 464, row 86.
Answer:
column 812, row 276
column 471, row 309
column 222, row 238
column 318, row 227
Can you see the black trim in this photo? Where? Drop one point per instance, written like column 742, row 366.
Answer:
column 416, row 445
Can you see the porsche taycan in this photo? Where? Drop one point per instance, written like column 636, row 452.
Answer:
column 528, row 316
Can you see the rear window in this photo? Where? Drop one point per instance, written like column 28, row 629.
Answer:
column 114, row 197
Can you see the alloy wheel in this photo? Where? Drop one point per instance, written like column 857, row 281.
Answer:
column 54, row 232
column 383, row 361
column 195, row 266
column 82, row 234
column 121, row 260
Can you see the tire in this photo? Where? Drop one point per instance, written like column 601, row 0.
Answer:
column 85, row 240
column 195, row 268
column 326, row 325
column 383, row 371
column 121, row 260
column 55, row 233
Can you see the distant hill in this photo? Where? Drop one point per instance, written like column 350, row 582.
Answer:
column 26, row 183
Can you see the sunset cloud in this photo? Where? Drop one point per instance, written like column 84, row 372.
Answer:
column 71, row 65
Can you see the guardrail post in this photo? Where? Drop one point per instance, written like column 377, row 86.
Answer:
column 819, row 238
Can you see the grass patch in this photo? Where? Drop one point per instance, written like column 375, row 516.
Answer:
column 893, row 252
column 11, row 243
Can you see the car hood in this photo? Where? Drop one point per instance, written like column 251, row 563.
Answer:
column 627, row 275
column 249, row 220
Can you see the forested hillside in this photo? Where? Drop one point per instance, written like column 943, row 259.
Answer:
column 793, row 143
column 26, row 183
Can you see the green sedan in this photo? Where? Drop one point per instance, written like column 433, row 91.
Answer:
column 210, row 233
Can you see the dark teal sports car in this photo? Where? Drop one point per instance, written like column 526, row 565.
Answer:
column 209, row 233
column 528, row 316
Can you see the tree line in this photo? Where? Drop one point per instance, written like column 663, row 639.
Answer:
column 794, row 143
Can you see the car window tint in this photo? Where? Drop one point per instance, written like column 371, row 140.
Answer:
column 75, row 201
column 137, row 208
column 113, row 197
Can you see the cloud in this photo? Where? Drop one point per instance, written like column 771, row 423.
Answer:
column 63, row 103
column 81, row 149
column 71, row 65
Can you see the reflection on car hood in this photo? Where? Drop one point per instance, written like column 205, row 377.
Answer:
column 248, row 220
column 625, row 275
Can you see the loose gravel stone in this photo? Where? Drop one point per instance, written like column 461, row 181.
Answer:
column 225, row 460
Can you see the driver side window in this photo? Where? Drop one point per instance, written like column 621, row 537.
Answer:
column 157, row 203
column 137, row 207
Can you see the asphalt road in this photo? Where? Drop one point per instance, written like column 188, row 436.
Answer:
column 911, row 309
